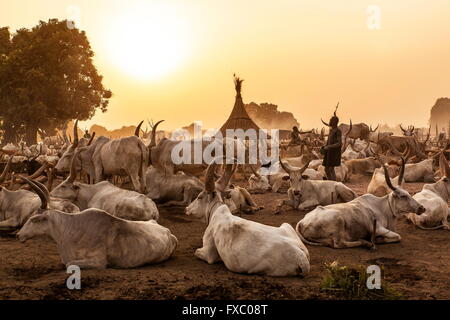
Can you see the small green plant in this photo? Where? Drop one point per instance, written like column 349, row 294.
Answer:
column 351, row 283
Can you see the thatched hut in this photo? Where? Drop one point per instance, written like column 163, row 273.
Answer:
column 239, row 118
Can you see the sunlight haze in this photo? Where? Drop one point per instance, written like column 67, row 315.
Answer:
column 174, row 60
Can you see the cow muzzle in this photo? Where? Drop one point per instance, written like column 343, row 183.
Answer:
column 420, row 210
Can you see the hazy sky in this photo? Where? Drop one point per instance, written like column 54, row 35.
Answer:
column 174, row 60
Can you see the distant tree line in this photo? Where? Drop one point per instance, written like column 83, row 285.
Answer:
column 47, row 77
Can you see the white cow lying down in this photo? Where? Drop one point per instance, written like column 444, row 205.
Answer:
column 434, row 197
column 352, row 224
column 96, row 239
column 245, row 246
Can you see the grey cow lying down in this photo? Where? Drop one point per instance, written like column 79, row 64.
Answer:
column 353, row 224
column 434, row 197
column 96, row 239
column 125, row 204
column 245, row 246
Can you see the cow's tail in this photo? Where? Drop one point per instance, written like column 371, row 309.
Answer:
column 144, row 164
column 303, row 238
column 430, row 228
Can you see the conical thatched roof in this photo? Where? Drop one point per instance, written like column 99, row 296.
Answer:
column 239, row 118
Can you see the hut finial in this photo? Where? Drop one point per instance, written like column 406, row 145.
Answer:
column 238, row 84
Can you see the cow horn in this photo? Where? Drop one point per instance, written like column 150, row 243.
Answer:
column 404, row 131
column 39, row 192
column 75, row 134
column 43, row 188
column 374, row 129
column 91, row 139
column 305, row 167
column 210, row 185
column 327, row 124
column 255, row 172
column 402, row 172
column 388, row 179
column 443, row 166
column 138, row 129
column 350, row 128
column 6, row 169
column 286, row 167
column 73, row 167
column 153, row 141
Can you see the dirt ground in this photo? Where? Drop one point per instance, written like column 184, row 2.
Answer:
column 418, row 266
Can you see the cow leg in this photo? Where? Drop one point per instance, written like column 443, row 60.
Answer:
column 384, row 235
column 9, row 224
column 208, row 252
column 136, row 184
column 352, row 244
column 88, row 263
column 282, row 203
column 312, row 203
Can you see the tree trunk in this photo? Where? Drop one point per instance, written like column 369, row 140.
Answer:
column 31, row 134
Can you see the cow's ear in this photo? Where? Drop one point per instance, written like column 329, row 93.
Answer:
column 39, row 218
column 231, row 186
column 305, row 177
column 285, row 178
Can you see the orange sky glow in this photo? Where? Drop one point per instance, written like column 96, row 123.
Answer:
column 174, row 60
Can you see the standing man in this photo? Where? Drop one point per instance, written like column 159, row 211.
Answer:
column 332, row 150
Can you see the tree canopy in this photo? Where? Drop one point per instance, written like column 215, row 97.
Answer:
column 47, row 77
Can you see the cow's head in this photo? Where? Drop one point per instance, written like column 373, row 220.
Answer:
column 258, row 183
column 38, row 224
column 295, row 176
column 64, row 162
column 400, row 201
column 69, row 189
column 208, row 199
column 408, row 132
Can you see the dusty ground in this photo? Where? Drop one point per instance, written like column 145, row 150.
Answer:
column 418, row 266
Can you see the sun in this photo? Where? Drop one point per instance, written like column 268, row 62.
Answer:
column 147, row 41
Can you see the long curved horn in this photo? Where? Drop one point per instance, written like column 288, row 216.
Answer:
column 75, row 134
column 39, row 192
column 286, row 167
column 324, row 122
column 350, row 128
column 43, row 188
column 402, row 172
column 443, row 166
column 374, row 129
column 254, row 171
column 138, row 129
column 407, row 151
column 305, row 167
column 73, row 167
column 210, row 185
column 6, row 169
column 91, row 139
column 404, row 131
column 428, row 136
column 388, row 179
column 153, row 141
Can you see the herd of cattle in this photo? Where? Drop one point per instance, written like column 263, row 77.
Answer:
column 97, row 224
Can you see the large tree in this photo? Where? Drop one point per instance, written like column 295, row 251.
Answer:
column 47, row 77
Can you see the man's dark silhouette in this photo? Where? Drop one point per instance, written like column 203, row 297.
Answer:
column 295, row 137
column 332, row 150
